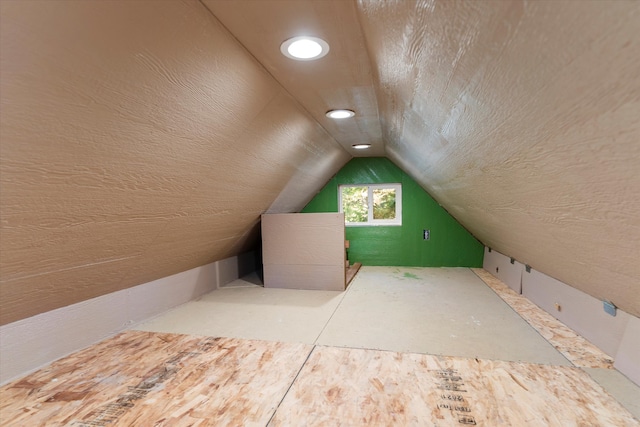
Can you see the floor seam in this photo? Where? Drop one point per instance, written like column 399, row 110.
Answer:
column 346, row 292
column 290, row 385
column 573, row 365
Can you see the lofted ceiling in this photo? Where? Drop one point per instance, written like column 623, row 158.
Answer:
column 140, row 139
column 342, row 79
column 521, row 118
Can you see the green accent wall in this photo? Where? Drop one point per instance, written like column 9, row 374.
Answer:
column 450, row 244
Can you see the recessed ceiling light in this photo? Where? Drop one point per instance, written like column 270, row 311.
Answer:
column 340, row 114
column 361, row 146
column 304, row 48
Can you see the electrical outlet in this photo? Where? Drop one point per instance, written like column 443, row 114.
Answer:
column 426, row 234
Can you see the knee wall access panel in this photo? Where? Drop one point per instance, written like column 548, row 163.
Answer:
column 581, row 312
column 501, row 267
column 304, row 251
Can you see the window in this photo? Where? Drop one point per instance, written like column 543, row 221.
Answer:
column 379, row 204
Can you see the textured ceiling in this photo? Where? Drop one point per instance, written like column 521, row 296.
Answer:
column 342, row 79
column 139, row 139
column 143, row 138
column 523, row 120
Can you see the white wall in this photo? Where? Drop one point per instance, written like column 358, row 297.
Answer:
column 618, row 336
column 500, row 266
column 304, row 251
column 30, row 343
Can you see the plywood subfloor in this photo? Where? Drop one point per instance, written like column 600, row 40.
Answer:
column 575, row 348
column 159, row 379
column 355, row 387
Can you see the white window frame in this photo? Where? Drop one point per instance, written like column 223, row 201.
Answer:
column 370, row 221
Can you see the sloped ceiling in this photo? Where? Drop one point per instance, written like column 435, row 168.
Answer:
column 342, row 79
column 523, row 120
column 140, row 139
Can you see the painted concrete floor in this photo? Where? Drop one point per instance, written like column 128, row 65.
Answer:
column 441, row 311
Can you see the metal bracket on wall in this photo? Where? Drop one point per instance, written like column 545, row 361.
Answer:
column 527, row 268
column 609, row 307
column 513, row 260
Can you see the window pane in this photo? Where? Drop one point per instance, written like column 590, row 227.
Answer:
column 384, row 203
column 355, row 204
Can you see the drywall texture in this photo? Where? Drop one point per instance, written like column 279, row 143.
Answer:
column 521, row 118
column 139, row 139
column 304, row 251
column 581, row 312
column 504, row 268
column 449, row 245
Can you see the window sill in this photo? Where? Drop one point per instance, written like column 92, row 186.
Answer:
column 368, row 224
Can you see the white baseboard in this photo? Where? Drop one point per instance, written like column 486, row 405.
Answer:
column 28, row 344
column 614, row 335
column 501, row 267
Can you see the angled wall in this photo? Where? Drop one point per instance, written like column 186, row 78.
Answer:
column 521, row 118
column 138, row 140
column 449, row 245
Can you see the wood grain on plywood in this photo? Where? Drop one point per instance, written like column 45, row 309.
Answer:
column 354, row 387
column 577, row 349
column 144, row 378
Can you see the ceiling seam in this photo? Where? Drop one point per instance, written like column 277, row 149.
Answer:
column 296, row 101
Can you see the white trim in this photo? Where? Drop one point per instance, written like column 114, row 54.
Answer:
column 397, row 221
column 616, row 336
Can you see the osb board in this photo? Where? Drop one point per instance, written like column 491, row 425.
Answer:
column 146, row 379
column 354, row 387
column 575, row 348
